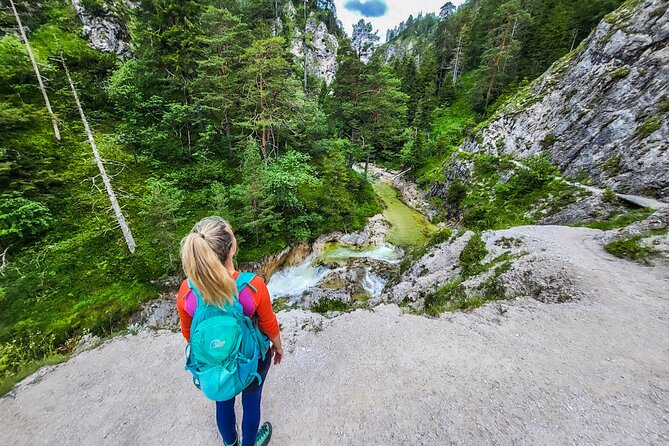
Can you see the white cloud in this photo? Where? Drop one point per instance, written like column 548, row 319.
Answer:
column 398, row 11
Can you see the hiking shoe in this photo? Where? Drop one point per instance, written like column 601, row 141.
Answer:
column 264, row 434
column 236, row 443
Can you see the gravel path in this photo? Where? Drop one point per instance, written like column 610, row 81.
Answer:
column 590, row 371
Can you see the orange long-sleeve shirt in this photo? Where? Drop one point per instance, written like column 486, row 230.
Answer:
column 254, row 303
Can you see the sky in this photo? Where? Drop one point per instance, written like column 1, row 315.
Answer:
column 384, row 14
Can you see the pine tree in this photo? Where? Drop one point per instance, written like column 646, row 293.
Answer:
column 503, row 47
column 410, row 85
column 383, row 112
column 364, row 39
column 348, row 88
column 218, row 85
column 257, row 215
column 427, row 81
column 335, row 199
column 271, row 91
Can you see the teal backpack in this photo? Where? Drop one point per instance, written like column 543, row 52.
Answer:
column 224, row 346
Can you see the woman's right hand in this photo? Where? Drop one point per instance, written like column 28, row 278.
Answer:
column 277, row 352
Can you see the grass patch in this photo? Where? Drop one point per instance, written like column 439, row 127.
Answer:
column 649, row 126
column 621, row 220
column 440, row 301
column 621, row 73
column 472, row 256
column 501, row 194
column 280, row 304
column 612, row 165
column 360, row 297
column 324, row 305
column 630, row 248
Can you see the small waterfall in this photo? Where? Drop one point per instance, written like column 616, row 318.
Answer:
column 295, row 280
column 374, row 284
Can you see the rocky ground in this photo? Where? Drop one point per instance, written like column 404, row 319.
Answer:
column 591, row 370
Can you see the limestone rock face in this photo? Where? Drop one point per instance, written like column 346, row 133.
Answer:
column 397, row 49
column 601, row 111
column 104, row 29
column 321, row 49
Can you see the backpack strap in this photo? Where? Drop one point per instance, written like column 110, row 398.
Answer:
column 244, row 280
column 198, row 295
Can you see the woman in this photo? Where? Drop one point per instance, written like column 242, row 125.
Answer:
column 206, row 254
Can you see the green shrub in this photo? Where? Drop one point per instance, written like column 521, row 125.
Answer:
column 610, row 197
column 438, row 301
column 455, row 194
column 621, row 220
column 548, row 141
column 280, row 304
column 472, row 256
column 664, row 106
column 621, row 73
column 630, row 248
column 327, row 304
column 612, row 165
column 649, row 126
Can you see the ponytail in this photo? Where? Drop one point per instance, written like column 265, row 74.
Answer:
column 203, row 253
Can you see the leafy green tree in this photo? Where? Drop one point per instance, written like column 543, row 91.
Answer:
column 383, row 112
column 218, row 85
column 272, row 93
column 161, row 206
column 503, row 47
column 335, row 199
column 288, row 178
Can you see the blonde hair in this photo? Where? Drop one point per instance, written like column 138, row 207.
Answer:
column 203, row 254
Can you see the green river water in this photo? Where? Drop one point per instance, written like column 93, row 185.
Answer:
column 410, row 228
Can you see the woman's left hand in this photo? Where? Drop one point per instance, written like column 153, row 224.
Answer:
column 277, row 352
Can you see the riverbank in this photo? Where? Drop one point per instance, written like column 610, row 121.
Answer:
column 350, row 268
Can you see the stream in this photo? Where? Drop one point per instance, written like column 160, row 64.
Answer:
column 347, row 272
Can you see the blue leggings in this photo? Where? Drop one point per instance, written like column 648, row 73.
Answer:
column 227, row 422
column 251, row 396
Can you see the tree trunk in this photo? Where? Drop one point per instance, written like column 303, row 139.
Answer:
column 458, row 53
column 103, row 173
column 264, row 144
column 304, row 45
column 573, row 40
column 54, row 121
column 496, row 64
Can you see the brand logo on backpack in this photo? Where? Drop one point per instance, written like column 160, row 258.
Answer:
column 217, row 343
